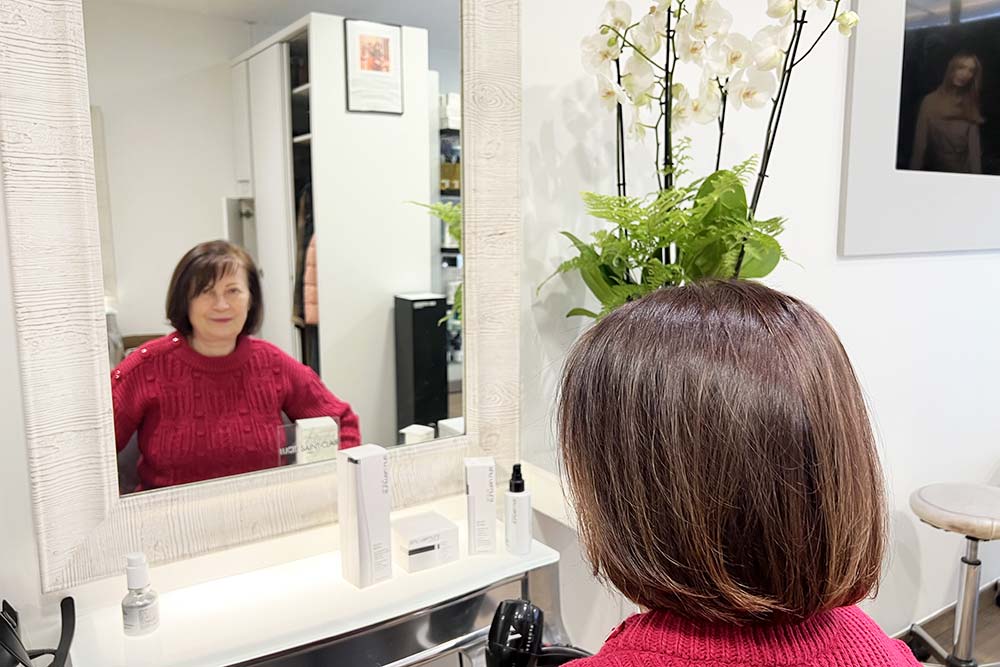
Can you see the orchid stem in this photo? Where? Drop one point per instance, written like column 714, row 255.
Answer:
column 772, row 127
column 722, row 123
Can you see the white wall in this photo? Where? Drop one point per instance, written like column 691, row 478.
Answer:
column 161, row 80
column 367, row 168
column 921, row 331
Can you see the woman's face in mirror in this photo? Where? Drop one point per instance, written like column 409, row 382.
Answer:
column 220, row 311
column 963, row 73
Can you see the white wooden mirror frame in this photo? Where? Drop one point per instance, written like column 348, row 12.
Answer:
column 49, row 211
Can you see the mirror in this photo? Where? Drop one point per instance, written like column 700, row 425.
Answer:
column 279, row 198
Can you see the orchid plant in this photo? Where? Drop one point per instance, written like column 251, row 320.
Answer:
column 707, row 227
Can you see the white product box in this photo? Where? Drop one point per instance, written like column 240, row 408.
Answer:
column 316, row 439
column 415, row 433
column 481, row 498
column 363, row 505
column 423, row 541
column 450, row 428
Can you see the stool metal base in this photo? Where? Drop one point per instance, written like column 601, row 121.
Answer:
column 966, row 613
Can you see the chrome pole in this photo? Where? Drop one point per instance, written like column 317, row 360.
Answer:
column 965, row 614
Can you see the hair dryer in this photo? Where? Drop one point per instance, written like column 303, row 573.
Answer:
column 515, row 639
column 13, row 652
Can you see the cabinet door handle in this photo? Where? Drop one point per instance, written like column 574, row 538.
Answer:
column 463, row 643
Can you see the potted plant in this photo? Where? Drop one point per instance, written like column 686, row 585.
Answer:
column 689, row 228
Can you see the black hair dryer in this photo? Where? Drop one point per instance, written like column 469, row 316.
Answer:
column 14, row 654
column 515, row 639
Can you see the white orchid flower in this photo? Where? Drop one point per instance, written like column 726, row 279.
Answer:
column 817, row 5
column 659, row 13
column 847, row 22
column 637, row 79
column 779, row 9
column 599, row 51
column 786, row 31
column 683, row 109
column 610, row 93
column 689, row 48
column 617, row 14
column 753, row 88
column 636, row 128
column 706, row 107
column 710, row 19
column 732, row 54
column 770, row 45
column 646, row 37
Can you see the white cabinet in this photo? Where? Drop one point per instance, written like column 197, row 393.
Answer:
column 243, row 169
column 271, row 155
column 363, row 171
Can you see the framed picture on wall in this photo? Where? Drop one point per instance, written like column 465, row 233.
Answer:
column 922, row 163
column 374, row 58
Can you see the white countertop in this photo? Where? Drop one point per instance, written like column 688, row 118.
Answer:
column 250, row 615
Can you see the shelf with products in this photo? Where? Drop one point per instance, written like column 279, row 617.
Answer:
column 451, row 163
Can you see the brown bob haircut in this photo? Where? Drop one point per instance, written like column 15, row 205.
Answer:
column 198, row 271
column 720, row 457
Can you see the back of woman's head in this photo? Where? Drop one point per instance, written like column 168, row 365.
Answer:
column 720, row 456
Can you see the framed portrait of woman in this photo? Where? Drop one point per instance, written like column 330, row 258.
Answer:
column 922, row 162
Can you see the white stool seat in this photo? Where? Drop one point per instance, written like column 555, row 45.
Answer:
column 972, row 510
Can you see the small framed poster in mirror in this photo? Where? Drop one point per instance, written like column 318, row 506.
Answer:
column 374, row 67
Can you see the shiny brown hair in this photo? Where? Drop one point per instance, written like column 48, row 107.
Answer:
column 199, row 269
column 720, row 458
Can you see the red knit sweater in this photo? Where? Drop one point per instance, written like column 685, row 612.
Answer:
column 203, row 417
column 844, row 637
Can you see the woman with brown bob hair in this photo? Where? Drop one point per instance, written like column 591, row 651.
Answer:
column 724, row 475
column 207, row 399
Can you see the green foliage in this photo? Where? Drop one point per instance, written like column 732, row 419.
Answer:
column 451, row 215
column 708, row 222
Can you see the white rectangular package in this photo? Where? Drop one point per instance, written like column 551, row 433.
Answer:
column 451, row 428
column 481, row 500
column 363, row 505
column 423, row 541
column 316, row 439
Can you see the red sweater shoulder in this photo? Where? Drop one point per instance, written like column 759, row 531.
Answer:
column 845, row 637
column 307, row 395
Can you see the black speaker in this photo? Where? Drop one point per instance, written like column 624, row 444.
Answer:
column 421, row 360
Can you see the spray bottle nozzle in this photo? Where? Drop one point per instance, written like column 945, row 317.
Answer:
column 516, row 480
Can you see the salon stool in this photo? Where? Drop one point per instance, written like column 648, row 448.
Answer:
column 972, row 510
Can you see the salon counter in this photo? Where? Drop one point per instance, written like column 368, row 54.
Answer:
column 243, row 618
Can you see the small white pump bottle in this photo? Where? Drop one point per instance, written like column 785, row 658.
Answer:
column 517, row 504
column 141, row 607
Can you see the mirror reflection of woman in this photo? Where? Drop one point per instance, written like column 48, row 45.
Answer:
column 207, row 400
column 948, row 124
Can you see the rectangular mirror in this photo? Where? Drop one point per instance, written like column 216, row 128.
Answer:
column 279, row 200
column 82, row 523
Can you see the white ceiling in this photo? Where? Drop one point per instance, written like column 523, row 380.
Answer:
column 439, row 17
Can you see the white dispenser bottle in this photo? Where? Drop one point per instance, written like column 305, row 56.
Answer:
column 517, row 504
column 141, row 607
